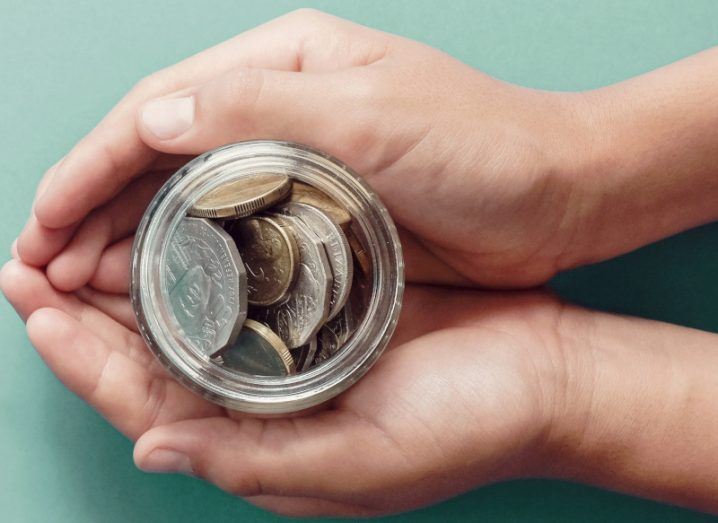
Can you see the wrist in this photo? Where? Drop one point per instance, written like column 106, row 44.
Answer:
column 597, row 164
column 593, row 406
column 643, row 168
column 634, row 408
column 571, row 156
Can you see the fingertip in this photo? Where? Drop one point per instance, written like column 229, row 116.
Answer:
column 189, row 437
column 113, row 269
column 10, row 278
column 26, row 288
column 144, row 445
column 72, row 353
column 67, row 273
column 13, row 250
column 167, row 461
column 20, row 284
column 44, row 321
column 37, row 244
column 49, row 329
column 64, row 199
column 26, row 244
column 49, row 209
column 76, row 264
column 159, row 449
column 96, row 169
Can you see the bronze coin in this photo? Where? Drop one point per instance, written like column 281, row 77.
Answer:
column 243, row 196
column 305, row 193
column 360, row 254
column 259, row 351
column 270, row 254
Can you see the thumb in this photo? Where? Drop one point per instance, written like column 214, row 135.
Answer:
column 246, row 104
column 328, row 455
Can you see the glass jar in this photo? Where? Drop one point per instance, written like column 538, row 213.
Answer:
column 371, row 225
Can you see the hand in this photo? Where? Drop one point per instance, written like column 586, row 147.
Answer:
column 473, row 170
column 487, row 183
column 465, row 396
column 482, row 388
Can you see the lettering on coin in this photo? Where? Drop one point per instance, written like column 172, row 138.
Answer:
column 206, row 284
column 270, row 254
column 302, row 313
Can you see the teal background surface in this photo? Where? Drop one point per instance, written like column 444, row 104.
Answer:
column 65, row 63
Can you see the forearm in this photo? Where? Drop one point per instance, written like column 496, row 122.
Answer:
column 648, row 163
column 640, row 408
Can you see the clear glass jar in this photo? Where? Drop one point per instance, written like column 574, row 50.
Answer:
column 371, row 224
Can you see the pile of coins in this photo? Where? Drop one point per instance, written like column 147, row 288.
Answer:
column 266, row 276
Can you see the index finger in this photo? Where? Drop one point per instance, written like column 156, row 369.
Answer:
column 105, row 160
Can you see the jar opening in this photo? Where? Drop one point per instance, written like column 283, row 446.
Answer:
column 372, row 231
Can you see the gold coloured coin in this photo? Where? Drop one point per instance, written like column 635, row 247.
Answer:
column 259, row 351
column 305, row 193
column 270, row 255
column 359, row 252
column 242, row 197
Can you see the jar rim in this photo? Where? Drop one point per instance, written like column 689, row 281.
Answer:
column 255, row 394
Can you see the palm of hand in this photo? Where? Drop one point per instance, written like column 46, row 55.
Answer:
column 453, row 403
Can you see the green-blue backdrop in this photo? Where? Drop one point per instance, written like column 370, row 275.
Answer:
column 65, row 63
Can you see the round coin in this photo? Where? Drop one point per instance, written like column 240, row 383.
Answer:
column 360, row 253
column 335, row 333
column 206, row 284
column 298, row 318
column 305, row 355
column 270, row 255
column 243, row 196
column 305, row 193
column 259, row 351
column 336, row 246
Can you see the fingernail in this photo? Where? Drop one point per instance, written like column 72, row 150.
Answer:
column 13, row 250
column 168, row 118
column 166, row 460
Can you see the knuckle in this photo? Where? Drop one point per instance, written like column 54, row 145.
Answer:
column 244, row 87
column 244, row 486
column 367, row 89
column 10, row 280
column 238, row 483
column 363, row 119
column 307, row 15
column 156, row 396
column 97, row 386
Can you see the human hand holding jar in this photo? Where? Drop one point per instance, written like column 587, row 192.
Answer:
column 489, row 184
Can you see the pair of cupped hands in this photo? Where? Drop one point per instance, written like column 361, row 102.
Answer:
column 485, row 182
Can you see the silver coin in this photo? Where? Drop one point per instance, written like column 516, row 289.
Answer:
column 207, row 284
column 305, row 355
column 298, row 318
column 336, row 332
column 336, row 245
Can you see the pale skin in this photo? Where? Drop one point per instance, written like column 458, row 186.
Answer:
column 492, row 185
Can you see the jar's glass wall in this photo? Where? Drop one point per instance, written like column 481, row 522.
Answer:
column 371, row 225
